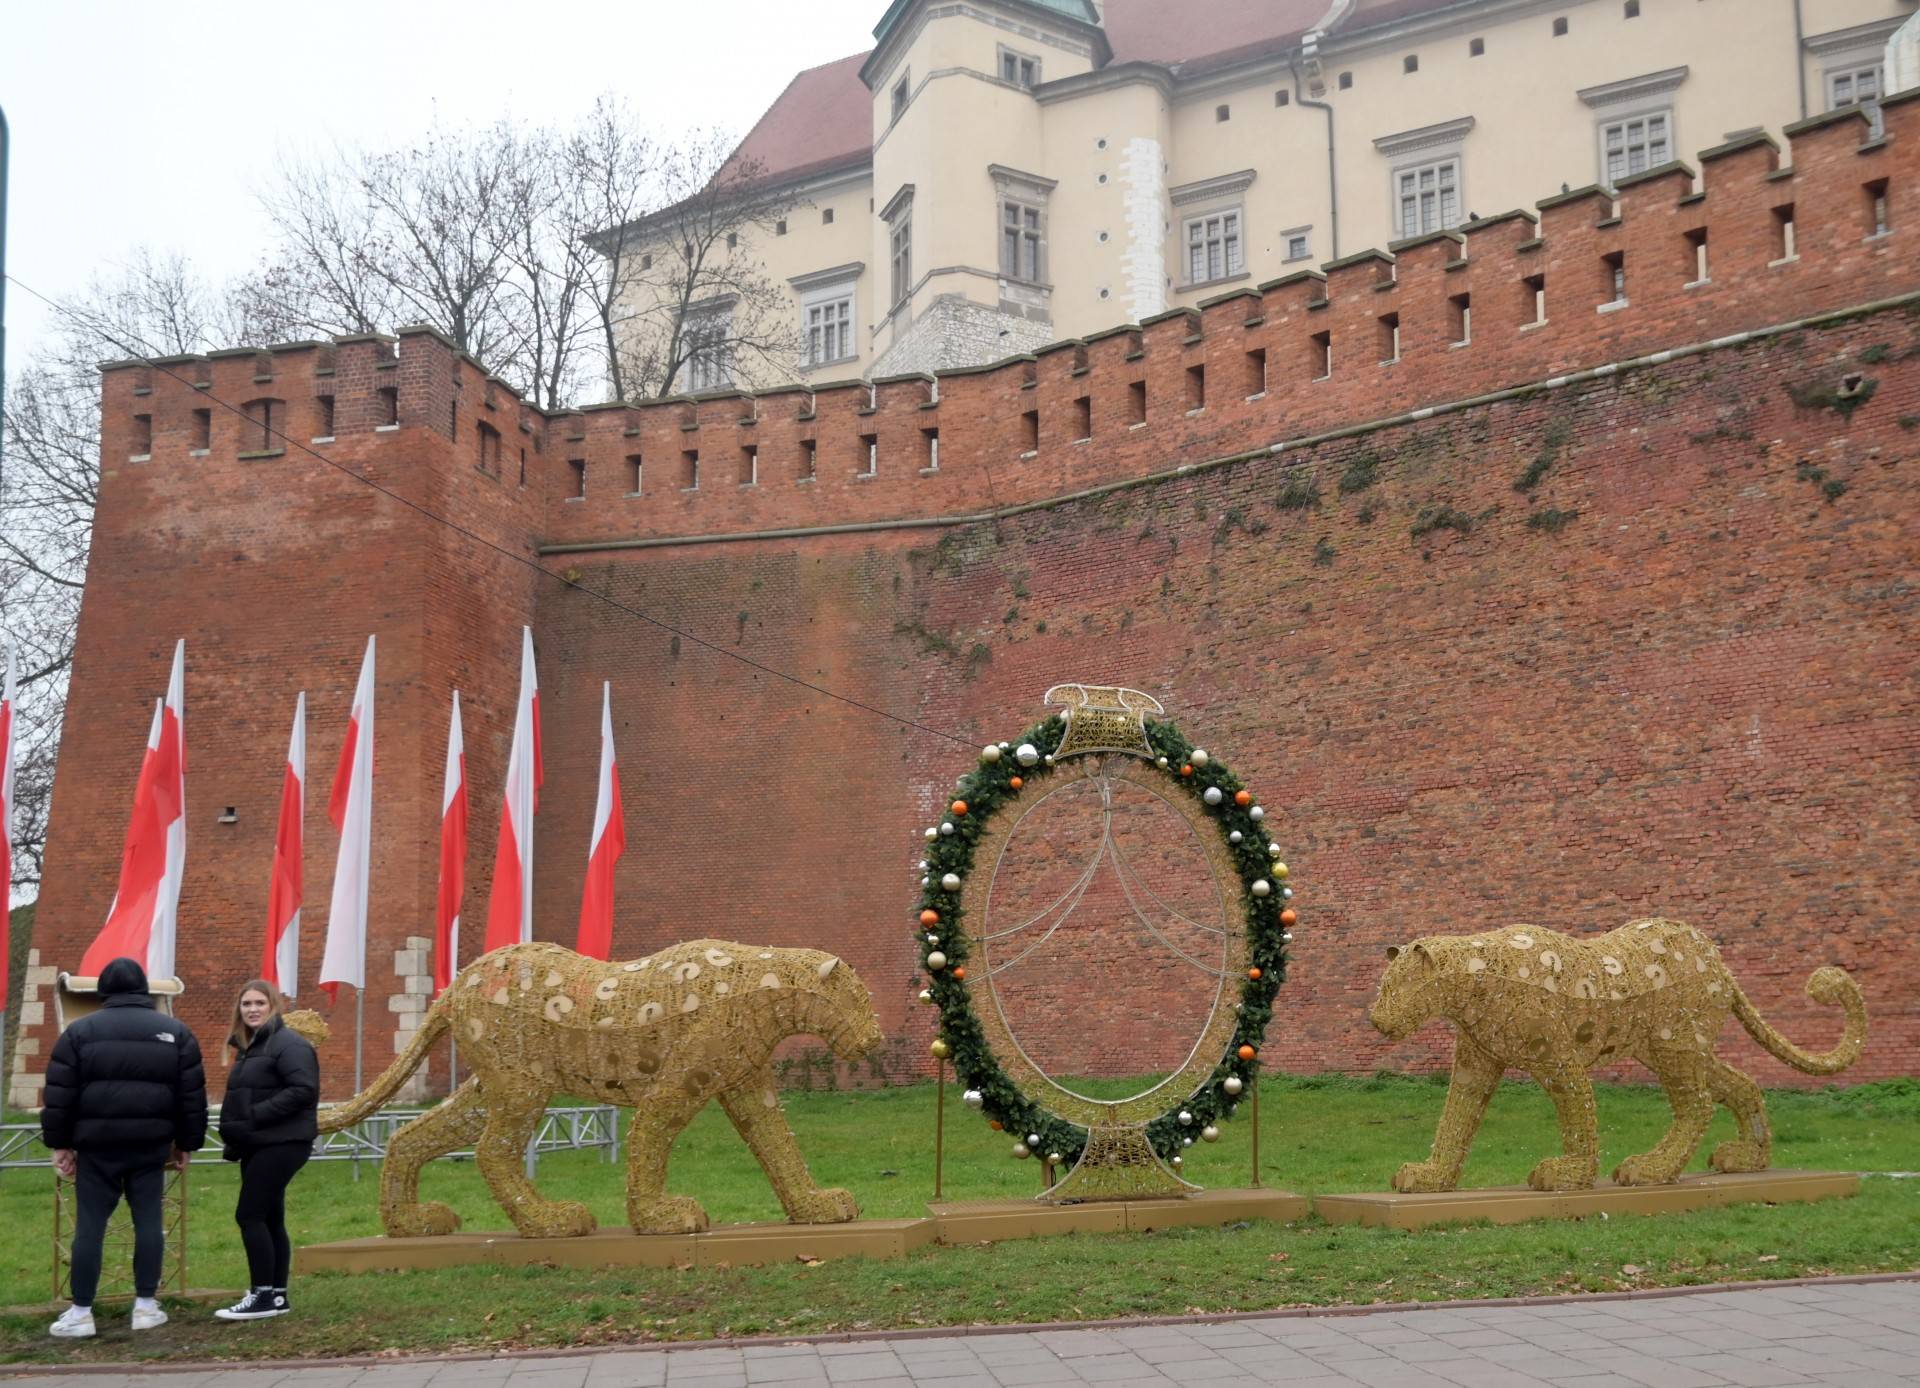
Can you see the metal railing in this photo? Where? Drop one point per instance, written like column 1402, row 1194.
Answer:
column 586, row 1128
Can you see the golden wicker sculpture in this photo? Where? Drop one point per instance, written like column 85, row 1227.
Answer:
column 662, row 1035
column 1557, row 1006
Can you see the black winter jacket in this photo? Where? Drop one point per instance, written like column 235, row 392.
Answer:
column 125, row 1084
column 273, row 1094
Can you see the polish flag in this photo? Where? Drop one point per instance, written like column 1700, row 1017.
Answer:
column 510, row 909
column 453, row 858
column 143, row 920
column 351, row 810
column 6, row 826
column 280, row 961
column 609, row 842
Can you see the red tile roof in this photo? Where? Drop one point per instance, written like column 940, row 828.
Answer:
column 824, row 119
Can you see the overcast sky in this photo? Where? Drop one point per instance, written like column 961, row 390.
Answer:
column 149, row 124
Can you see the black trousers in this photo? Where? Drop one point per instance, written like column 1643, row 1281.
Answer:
column 98, row 1188
column 265, row 1173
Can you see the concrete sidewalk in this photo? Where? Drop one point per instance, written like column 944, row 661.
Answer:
column 1857, row 1335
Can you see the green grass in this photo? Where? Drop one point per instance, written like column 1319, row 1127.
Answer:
column 1318, row 1134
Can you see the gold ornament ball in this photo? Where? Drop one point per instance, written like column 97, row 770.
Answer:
column 1022, row 1151
column 1279, row 869
column 1233, row 1084
column 936, row 961
column 1210, row 1133
column 925, row 996
column 941, row 1050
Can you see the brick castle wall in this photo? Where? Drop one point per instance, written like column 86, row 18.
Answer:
column 1673, row 675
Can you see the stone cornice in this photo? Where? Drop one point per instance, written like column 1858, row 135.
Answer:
column 1873, row 35
column 1207, row 189
column 1633, row 88
column 819, row 279
column 1449, row 132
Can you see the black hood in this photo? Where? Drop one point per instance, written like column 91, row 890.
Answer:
column 123, row 976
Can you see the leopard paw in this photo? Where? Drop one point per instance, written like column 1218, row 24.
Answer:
column 1563, row 1173
column 1739, row 1155
column 1422, row 1176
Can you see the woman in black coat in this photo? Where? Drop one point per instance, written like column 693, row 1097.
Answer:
column 268, row 1122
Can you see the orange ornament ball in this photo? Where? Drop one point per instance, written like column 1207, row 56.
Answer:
column 1247, row 1053
column 959, row 807
column 929, row 917
column 1016, row 783
column 1187, row 769
column 1288, row 917
column 996, row 1125
column 1254, row 973
column 1243, row 798
column 960, row 971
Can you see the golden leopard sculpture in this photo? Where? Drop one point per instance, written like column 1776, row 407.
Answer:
column 1557, row 1006
column 661, row 1035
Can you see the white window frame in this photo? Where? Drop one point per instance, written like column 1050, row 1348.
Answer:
column 1876, row 72
column 902, row 95
column 829, row 303
column 900, row 253
column 1631, row 137
column 709, row 364
column 1304, row 235
column 1430, row 149
column 1409, row 184
column 1023, row 240
column 1026, row 68
column 1219, row 237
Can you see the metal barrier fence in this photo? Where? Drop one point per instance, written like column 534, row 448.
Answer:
column 580, row 1129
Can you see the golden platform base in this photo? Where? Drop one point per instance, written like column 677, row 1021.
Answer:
column 1512, row 1204
column 742, row 1245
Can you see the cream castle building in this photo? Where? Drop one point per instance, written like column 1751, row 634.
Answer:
column 996, row 175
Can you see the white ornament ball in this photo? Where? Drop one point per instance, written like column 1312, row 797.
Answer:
column 1005, row 745
column 933, row 939
column 1022, row 1151
column 1199, row 757
column 1186, row 1142
column 990, row 753
column 1186, row 1118
column 1235, row 836
column 933, row 833
column 1027, row 754
column 1212, row 795
column 1178, row 1162
column 1286, row 937
column 1210, row 1133
column 946, row 829
column 974, row 1098
column 1256, row 813
column 925, row 880
column 951, row 882
column 1262, row 888
column 923, row 865
column 1160, row 762
column 1287, row 892
column 1033, row 1139
column 936, row 961
column 925, row 996
column 1048, row 759
column 1273, row 851
column 1055, row 1158
column 1233, row 1084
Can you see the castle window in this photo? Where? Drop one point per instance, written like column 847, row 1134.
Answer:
column 1020, row 241
column 809, row 461
column 1613, row 278
column 1083, row 419
column 869, row 457
column 140, row 444
column 1021, row 69
column 750, row 466
column 202, row 431
column 690, row 470
column 900, row 246
column 1462, row 306
column 1560, row 28
column 1410, row 63
column 1783, row 238
column 1256, row 372
column 709, row 346
column 1428, row 197
column 1213, row 246
column 577, row 475
column 902, row 94
column 1137, row 403
column 1389, row 333
column 826, row 216
column 1878, row 223
column 1029, row 433
column 829, row 329
column 1299, row 242
column 1476, row 48
column 1346, row 81
column 1853, row 86
column 633, row 474
column 1697, row 255
column 489, row 448
column 1283, row 97
column 646, row 261
column 388, row 398
column 1223, row 113
column 1633, row 9
column 263, row 422
column 930, row 442
column 324, row 406
column 780, row 227
column 1320, row 355
column 1636, row 145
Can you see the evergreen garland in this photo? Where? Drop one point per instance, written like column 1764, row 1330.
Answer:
column 986, row 789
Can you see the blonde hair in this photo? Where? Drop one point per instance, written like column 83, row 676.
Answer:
column 241, row 1035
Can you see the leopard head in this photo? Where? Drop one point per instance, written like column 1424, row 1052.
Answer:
column 1411, row 990
column 842, row 1013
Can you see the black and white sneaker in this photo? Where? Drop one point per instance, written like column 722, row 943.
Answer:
column 256, row 1305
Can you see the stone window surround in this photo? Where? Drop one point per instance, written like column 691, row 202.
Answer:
column 1415, row 149
column 1210, row 197
column 824, row 286
column 1032, row 190
column 1006, row 51
column 901, row 40
column 1632, row 99
column 1850, row 50
column 899, row 207
column 1286, row 239
column 719, row 308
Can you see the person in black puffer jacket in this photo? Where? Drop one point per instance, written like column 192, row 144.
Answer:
column 268, row 1122
column 126, row 1096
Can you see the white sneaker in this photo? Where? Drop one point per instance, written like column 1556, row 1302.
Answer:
column 75, row 1323
column 147, row 1314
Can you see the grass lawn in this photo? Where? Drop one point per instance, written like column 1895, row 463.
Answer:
column 1323, row 1134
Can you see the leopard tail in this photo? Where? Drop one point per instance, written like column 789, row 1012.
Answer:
column 374, row 1096
column 1831, row 987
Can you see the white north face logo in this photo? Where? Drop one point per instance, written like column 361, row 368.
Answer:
column 166, row 1036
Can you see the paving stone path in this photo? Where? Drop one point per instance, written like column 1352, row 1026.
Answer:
column 1857, row 1335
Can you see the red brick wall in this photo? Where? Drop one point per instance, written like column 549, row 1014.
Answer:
column 1695, row 698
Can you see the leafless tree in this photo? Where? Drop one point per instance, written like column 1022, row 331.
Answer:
column 693, row 291
column 157, row 306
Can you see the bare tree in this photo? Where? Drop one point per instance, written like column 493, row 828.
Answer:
column 157, row 306
column 610, row 166
column 697, row 303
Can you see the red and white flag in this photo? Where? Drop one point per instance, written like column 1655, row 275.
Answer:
column 143, row 920
column 351, row 810
column 6, row 826
column 609, row 842
column 453, row 857
column 280, row 960
column 510, row 908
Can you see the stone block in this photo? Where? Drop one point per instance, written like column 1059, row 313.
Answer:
column 409, row 961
